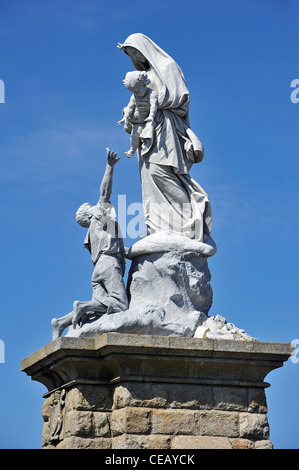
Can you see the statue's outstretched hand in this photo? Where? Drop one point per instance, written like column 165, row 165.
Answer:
column 111, row 157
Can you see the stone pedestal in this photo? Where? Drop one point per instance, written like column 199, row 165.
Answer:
column 127, row 391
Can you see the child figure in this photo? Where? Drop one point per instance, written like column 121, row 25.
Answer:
column 141, row 110
column 105, row 244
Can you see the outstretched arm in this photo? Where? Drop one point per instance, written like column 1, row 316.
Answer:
column 106, row 185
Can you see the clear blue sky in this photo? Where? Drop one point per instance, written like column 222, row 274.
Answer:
column 64, row 94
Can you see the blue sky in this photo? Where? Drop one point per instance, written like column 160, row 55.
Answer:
column 63, row 96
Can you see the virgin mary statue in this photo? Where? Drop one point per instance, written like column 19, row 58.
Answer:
column 173, row 202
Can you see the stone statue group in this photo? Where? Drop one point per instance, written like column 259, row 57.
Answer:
column 168, row 290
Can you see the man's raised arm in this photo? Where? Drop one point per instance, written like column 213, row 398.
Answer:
column 106, row 185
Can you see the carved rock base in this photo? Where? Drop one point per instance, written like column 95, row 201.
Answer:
column 170, row 295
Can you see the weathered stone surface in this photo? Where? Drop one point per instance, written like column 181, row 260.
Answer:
column 175, row 422
column 89, row 397
column 101, row 424
column 191, row 397
column 238, row 443
column 254, row 426
column 85, row 443
column 257, row 402
column 159, row 396
column 131, row 421
column 200, row 442
column 231, row 398
column 127, row 441
column 263, row 445
column 219, row 423
column 140, row 394
column 78, row 423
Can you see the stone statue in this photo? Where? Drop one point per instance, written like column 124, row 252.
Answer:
column 168, row 287
column 105, row 244
column 172, row 200
column 140, row 113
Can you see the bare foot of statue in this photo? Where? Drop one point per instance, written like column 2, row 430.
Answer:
column 57, row 328
column 77, row 313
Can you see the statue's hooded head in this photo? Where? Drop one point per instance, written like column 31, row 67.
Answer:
column 164, row 72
